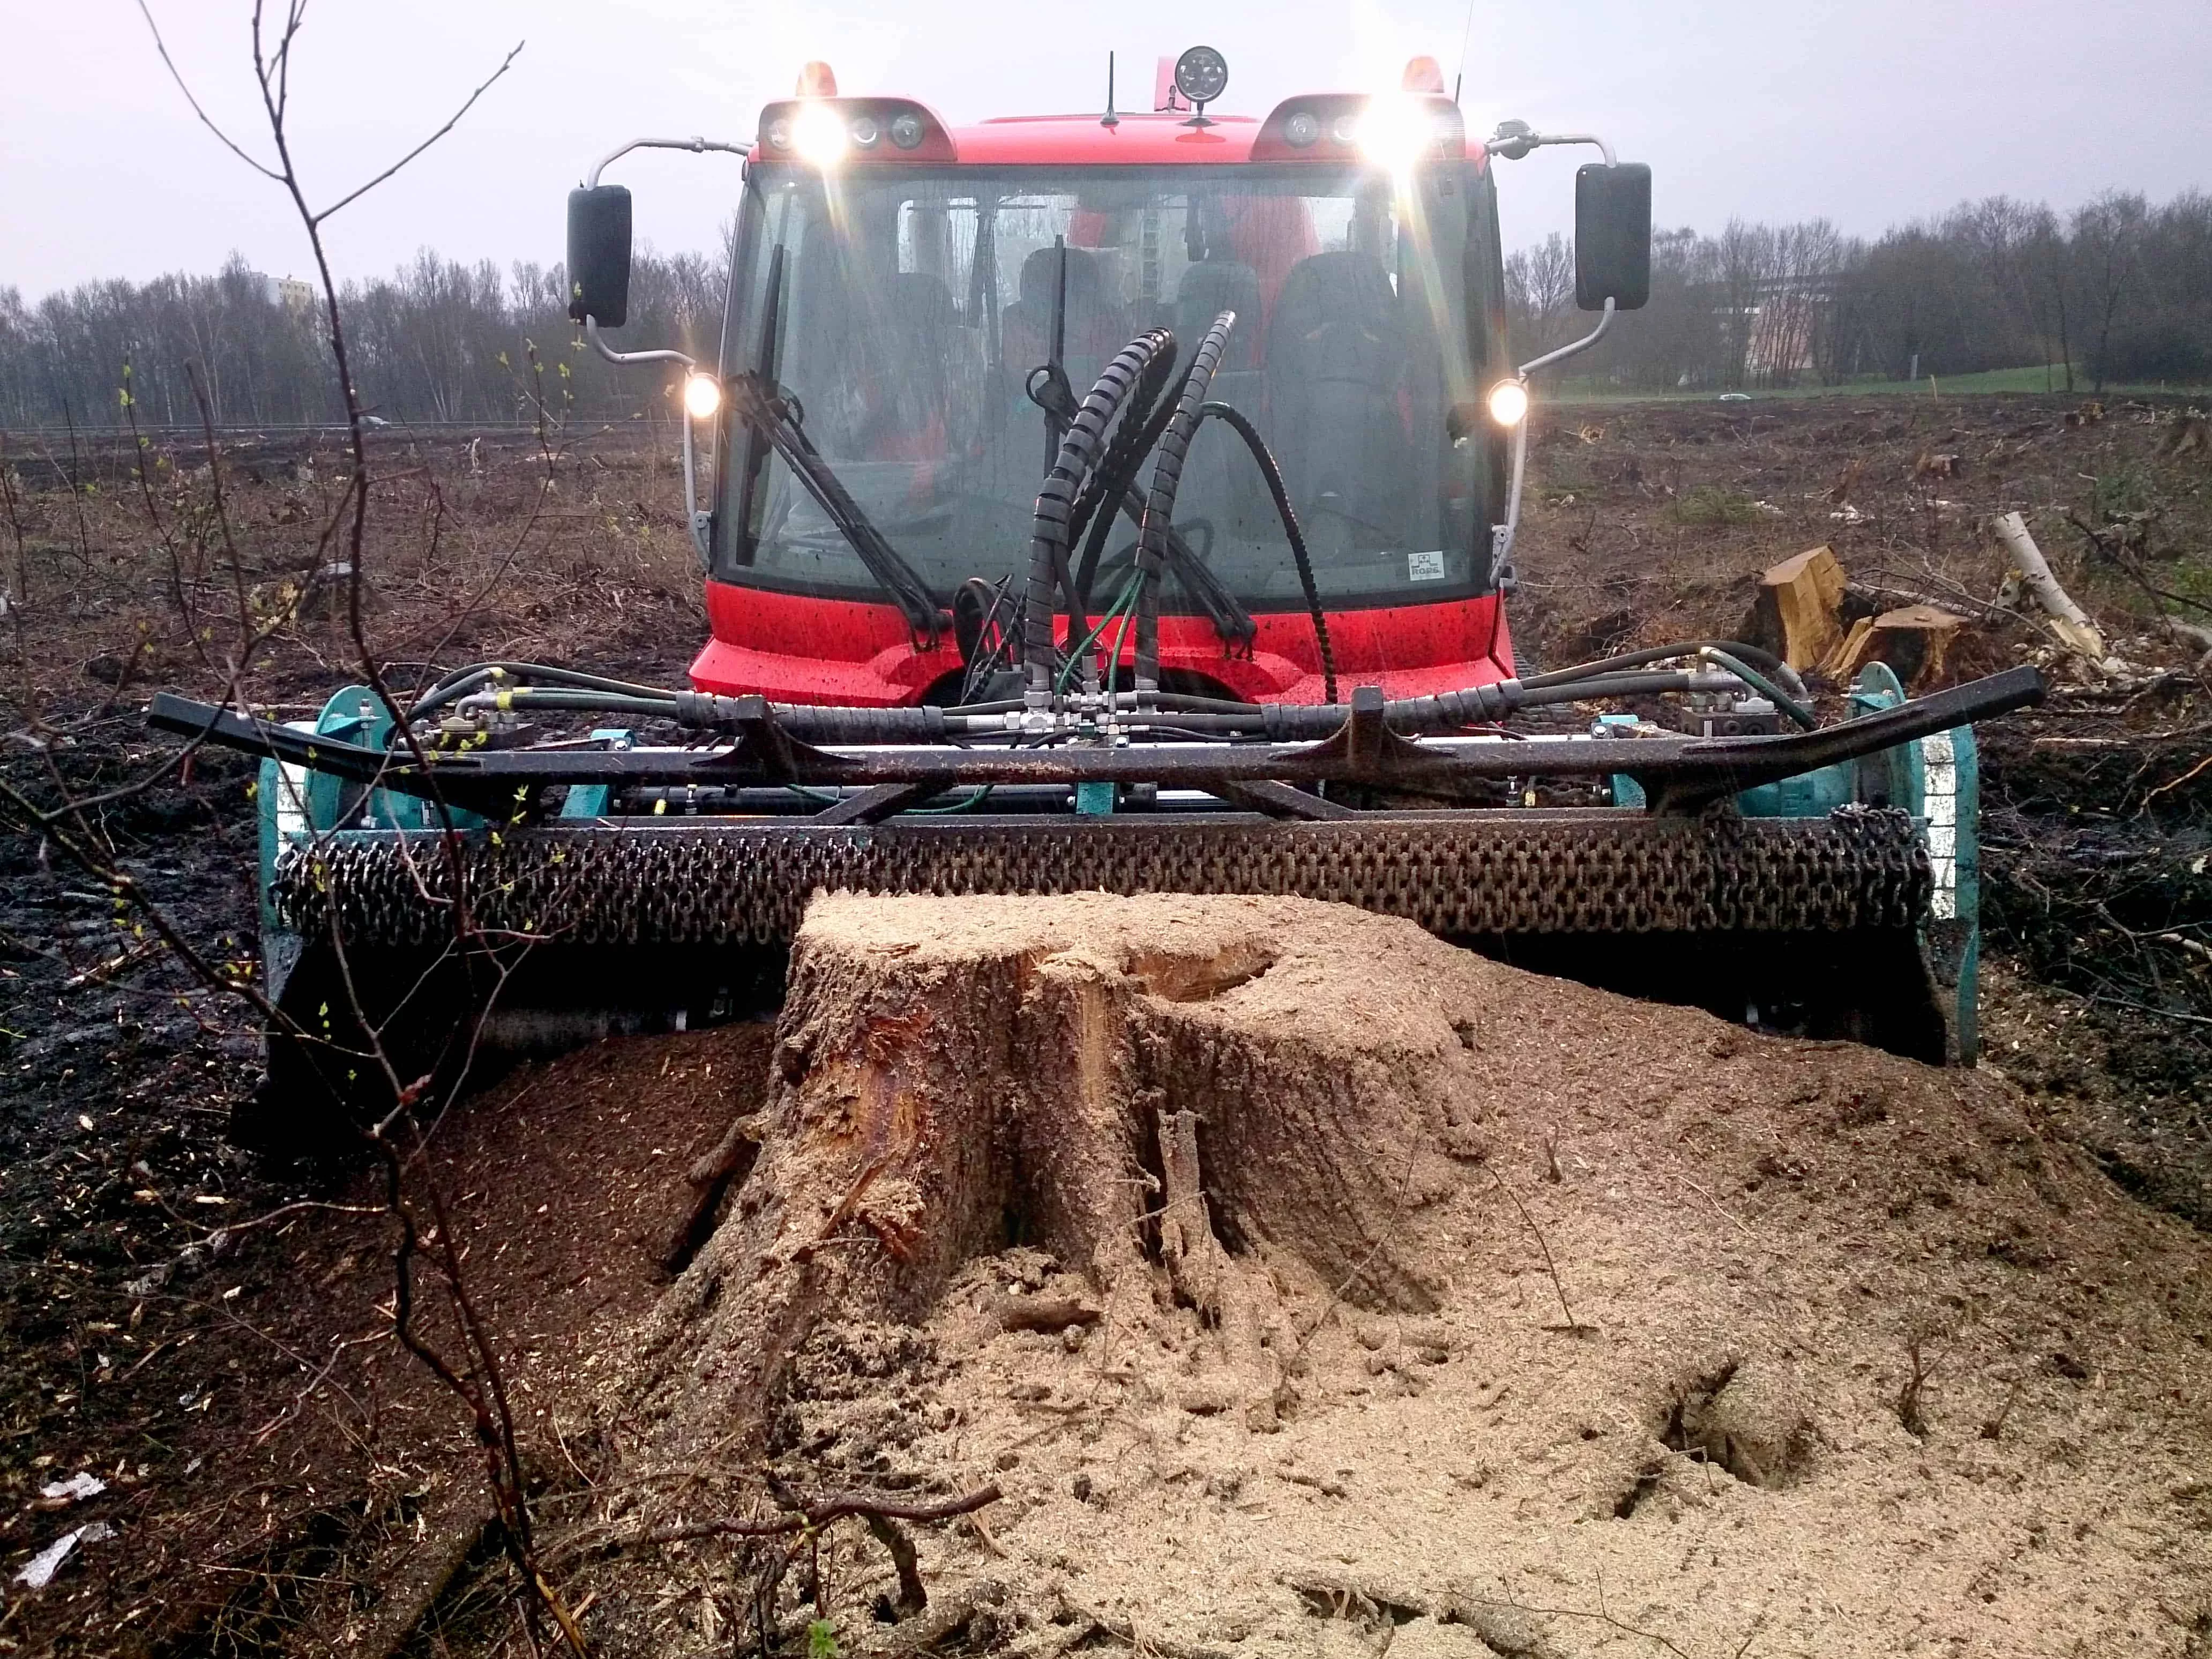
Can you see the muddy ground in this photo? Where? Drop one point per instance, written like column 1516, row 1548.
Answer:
column 268, row 1455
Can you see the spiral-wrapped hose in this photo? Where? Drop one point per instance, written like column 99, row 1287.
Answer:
column 1159, row 505
column 1056, row 502
column 1101, row 500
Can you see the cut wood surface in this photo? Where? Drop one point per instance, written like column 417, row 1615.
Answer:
column 1326, row 1182
column 1799, row 607
column 1911, row 640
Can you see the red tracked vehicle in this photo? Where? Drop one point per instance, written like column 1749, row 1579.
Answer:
column 931, row 300
column 1116, row 501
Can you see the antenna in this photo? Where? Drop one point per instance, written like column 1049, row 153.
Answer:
column 1109, row 119
column 1465, row 34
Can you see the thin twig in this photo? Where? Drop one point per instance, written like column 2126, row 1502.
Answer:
column 451, row 121
column 819, row 1513
column 1573, row 1327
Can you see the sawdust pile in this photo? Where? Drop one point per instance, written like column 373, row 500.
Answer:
column 1308, row 1285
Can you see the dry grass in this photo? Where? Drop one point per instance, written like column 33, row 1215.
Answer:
column 164, row 564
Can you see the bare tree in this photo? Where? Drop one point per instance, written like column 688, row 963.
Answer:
column 2108, row 239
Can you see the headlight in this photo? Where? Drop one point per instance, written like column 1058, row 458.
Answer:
column 906, row 130
column 1302, row 129
column 865, row 131
column 1397, row 133
column 817, row 132
column 702, row 395
column 1508, row 402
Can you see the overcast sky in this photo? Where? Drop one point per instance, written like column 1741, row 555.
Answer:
column 1867, row 113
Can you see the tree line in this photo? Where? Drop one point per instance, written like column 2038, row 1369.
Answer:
column 2117, row 291
column 434, row 340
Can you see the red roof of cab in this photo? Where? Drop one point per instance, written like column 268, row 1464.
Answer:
column 1136, row 139
column 1149, row 140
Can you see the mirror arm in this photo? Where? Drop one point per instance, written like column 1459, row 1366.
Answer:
column 696, row 146
column 699, row 521
column 591, row 333
column 1519, row 144
column 1604, row 322
column 1501, row 535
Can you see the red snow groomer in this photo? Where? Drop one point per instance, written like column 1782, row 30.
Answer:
column 1126, row 501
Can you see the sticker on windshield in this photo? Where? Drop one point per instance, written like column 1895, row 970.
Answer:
column 1425, row 567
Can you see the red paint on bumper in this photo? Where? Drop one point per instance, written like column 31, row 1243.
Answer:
column 793, row 649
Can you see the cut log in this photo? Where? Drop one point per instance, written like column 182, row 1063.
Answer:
column 2069, row 622
column 1910, row 639
column 1797, row 613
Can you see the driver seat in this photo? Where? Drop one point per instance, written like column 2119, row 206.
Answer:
column 1335, row 361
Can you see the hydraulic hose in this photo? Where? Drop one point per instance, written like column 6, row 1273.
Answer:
column 1449, row 711
column 1234, row 418
column 1055, row 503
column 1750, row 653
column 1099, row 504
column 1159, row 506
column 1799, row 715
column 463, row 681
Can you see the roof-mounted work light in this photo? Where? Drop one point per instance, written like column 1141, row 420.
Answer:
column 817, row 133
column 1200, row 76
column 1398, row 130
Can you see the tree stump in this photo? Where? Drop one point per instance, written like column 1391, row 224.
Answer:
column 956, row 1076
column 1911, row 640
column 1796, row 614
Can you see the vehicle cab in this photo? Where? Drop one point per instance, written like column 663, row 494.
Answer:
column 923, row 303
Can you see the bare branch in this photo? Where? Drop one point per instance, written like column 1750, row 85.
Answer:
column 229, row 142
column 450, row 122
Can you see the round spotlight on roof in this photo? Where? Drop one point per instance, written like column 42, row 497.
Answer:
column 702, row 395
column 817, row 133
column 1345, row 130
column 1302, row 129
column 1201, row 74
column 906, row 130
column 865, row 131
column 778, row 135
column 1508, row 402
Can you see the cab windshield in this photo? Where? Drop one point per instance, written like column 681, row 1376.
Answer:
column 904, row 313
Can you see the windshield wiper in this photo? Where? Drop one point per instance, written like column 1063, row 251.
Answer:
column 1231, row 620
column 778, row 418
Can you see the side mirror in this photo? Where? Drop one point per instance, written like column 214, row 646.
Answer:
column 599, row 254
column 1613, row 235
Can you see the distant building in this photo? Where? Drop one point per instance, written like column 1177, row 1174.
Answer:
column 289, row 292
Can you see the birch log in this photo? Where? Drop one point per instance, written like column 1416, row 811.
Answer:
column 2067, row 620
